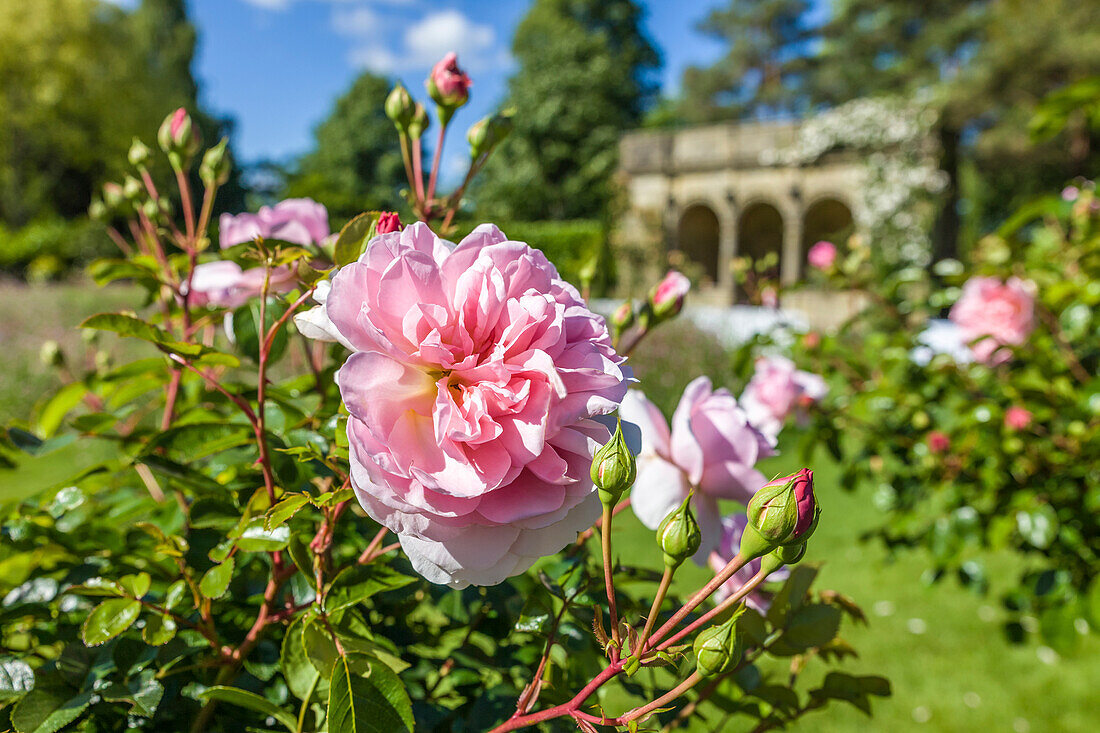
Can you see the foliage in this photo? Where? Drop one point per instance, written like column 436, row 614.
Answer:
column 989, row 484
column 354, row 164
column 51, row 245
column 585, row 75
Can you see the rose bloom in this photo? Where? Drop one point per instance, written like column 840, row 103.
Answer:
column 451, row 82
column 997, row 313
column 822, row 255
column 1017, row 418
column 938, row 442
column 474, row 376
column 223, row 284
column 776, row 390
column 711, row 447
column 732, row 528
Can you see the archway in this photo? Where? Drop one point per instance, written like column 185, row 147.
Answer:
column 760, row 236
column 697, row 238
column 827, row 219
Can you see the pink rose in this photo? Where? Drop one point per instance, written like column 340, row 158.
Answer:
column 732, row 528
column 222, row 283
column 300, row 221
column 475, row 374
column 668, row 296
column 711, row 447
column 447, row 84
column 997, row 313
column 1017, row 418
column 822, row 255
column 938, row 442
column 388, row 221
column 776, row 390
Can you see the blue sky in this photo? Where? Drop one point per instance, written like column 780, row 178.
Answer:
column 278, row 65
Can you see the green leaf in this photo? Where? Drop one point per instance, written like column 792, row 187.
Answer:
column 376, row 703
column 360, row 582
column 159, row 629
column 255, row 538
column 144, row 692
column 247, row 335
column 300, row 554
column 252, row 701
column 55, row 468
column 175, row 593
column 136, row 585
column 284, row 510
column 810, row 626
column 109, row 619
column 791, row 596
column 16, row 678
column 301, row 676
column 352, row 238
column 60, row 405
column 48, row 709
column 105, row 271
column 125, row 325
column 215, row 581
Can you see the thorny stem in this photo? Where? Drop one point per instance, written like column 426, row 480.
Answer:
column 720, row 608
column 609, row 583
column 693, row 679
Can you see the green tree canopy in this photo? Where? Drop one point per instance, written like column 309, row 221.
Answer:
column 356, row 164
column 585, row 75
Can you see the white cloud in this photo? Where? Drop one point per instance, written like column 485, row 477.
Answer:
column 422, row 43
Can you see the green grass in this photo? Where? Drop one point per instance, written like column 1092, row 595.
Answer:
column 957, row 674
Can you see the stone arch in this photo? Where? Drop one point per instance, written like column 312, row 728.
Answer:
column 828, row 218
column 760, row 233
column 697, row 236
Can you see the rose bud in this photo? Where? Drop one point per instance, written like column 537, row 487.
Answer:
column 132, row 188
column 215, row 166
column 51, row 355
column 400, row 107
column 718, row 649
column 622, row 318
column 139, row 153
column 1017, row 418
column 938, row 442
column 667, row 298
column 782, row 555
column 179, row 137
column 783, row 512
column 448, row 85
column 614, row 468
column 420, row 122
column 97, row 211
column 388, row 221
column 679, row 535
column 486, row 133
column 113, row 196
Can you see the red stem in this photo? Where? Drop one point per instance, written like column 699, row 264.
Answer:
column 436, row 155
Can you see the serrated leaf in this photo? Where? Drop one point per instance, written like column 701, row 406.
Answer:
column 252, row 701
column 109, row 619
column 159, row 629
column 48, row 709
column 791, row 596
column 284, row 510
column 135, row 585
column 247, row 333
column 352, row 238
column 302, row 677
column 376, row 703
column 125, row 325
column 51, row 469
column 215, row 581
column 255, row 538
column 16, row 678
column 358, row 583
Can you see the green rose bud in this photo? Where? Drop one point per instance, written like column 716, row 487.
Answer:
column 420, row 122
column 132, row 189
column 97, row 211
column 679, row 535
column 782, row 555
column 113, row 197
column 400, row 107
column 215, row 166
column 719, row 649
column 614, row 468
column 179, row 138
column 139, row 153
column 51, row 355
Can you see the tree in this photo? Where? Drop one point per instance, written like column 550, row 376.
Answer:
column 764, row 71
column 586, row 73
column 356, row 164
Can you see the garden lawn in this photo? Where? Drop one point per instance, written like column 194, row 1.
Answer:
column 940, row 646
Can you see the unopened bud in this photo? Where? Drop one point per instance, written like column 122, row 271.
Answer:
column 132, row 189
column 113, row 196
column 151, row 210
column 139, row 153
column 51, row 355
column 448, row 85
column 179, row 138
column 667, row 297
column 400, row 107
column 718, row 649
column 783, row 512
column 679, row 535
column 388, row 221
column 97, row 211
column 420, row 122
column 488, row 132
column 215, row 166
column 622, row 318
column 614, row 468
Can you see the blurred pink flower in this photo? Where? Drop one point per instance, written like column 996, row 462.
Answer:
column 822, row 255
column 451, row 83
column 474, row 376
column 1017, row 418
column 732, row 528
column 776, row 390
column 711, row 447
column 938, row 442
column 299, row 221
column 668, row 296
column 1003, row 312
column 1070, row 193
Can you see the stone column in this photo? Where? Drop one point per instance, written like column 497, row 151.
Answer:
column 791, row 265
column 727, row 249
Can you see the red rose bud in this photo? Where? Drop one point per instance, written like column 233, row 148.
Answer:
column 179, row 138
column 938, row 442
column 1017, row 418
column 388, row 221
column 679, row 535
column 667, row 298
column 447, row 84
column 783, row 512
column 614, row 468
column 400, row 107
